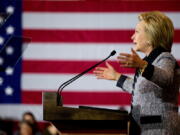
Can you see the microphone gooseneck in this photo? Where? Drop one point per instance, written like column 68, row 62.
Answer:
column 62, row 86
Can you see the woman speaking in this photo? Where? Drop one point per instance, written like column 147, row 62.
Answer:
column 155, row 85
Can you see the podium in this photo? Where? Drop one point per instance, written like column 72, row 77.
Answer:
column 86, row 120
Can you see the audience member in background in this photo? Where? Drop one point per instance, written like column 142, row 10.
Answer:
column 28, row 122
column 51, row 130
column 28, row 116
column 26, row 128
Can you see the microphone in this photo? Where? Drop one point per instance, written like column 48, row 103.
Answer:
column 62, row 86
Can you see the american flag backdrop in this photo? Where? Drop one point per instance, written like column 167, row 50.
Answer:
column 68, row 37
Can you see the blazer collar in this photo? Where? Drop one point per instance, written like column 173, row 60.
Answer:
column 154, row 54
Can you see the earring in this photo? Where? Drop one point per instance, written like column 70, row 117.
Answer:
column 148, row 42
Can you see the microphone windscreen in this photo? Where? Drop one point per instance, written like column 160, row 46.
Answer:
column 113, row 52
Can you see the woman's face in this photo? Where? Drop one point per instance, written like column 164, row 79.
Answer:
column 28, row 118
column 140, row 38
column 25, row 129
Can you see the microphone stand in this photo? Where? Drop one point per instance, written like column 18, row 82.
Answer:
column 62, row 86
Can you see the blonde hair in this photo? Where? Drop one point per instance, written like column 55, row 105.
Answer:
column 159, row 29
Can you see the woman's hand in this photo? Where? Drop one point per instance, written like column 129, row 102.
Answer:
column 131, row 60
column 108, row 73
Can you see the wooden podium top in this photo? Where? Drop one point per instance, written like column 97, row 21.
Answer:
column 66, row 118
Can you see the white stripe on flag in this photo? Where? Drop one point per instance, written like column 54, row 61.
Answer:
column 15, row 111
column 72, row 51
column 41, row 20
column 80, row 51
column 53, row 81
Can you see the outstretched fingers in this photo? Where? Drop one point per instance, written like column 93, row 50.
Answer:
column 109, row 65
column 100, row 68
column 99, row 71
column 99, row 74
column 133, row 51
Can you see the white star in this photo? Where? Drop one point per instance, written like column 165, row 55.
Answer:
column 10, row 9
column 1, row 60
column 9, row 91
column 10, row 30
column 1, row 40
column 9, row 70
column 1, row 80
column 9, row 50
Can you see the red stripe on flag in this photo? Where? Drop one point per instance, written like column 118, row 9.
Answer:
column 100, row 6
column 45, row 66
column 177, row 35
column 102, row 36
column 31, row 97
column 81, row 98
column 79, row 35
